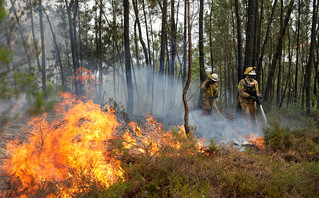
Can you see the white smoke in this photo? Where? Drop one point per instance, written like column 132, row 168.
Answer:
column 167, row 106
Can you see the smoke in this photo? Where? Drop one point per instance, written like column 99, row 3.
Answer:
column 163, row 99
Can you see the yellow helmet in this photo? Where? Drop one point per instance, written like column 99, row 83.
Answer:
column 249, row 69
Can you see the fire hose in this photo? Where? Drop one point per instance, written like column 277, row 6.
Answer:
column 220, row 113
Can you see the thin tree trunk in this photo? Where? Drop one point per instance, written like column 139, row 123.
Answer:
column 140, row 32
column 136, row 46
column 184, row 45
column 311, row 57
column 261, row 57
column 202, row 73
column 128, row 59
column 21, row 36
column 187, row 130
column 210, row 35
column 239, row 56
column 173, row 53
column 297, row 54
column 33, row 35
column 149, row 66
column 277, row 53
column 68, row 8
column 44, row 87
column 163, row 38
column 280, row 65
column 57, row 51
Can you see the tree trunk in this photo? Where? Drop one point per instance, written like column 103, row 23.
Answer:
column 297, row 55
column 202, row 73
column 75, row 66
column 277, row 53
column 136, row 46
column 44, row 87
column 163, row 38
column 187, row 130
column 184, row 45
column 250, row 34
column 311, row 57
column 149, row 65
column 128, row 59
column 239, row 56
column 33, row 35
column 211, row 36
column 173, row 52
column 21, row 36
column 261, row 57
column 280, row 65
column 57, row 51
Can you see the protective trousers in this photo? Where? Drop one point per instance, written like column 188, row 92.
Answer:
column 249, row 112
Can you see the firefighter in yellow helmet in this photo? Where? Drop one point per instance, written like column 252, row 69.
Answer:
column 210, row 92
column 249, row 96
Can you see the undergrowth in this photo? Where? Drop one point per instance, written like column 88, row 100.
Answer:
column 287, row 167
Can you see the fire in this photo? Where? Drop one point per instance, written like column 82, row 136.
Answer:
column 71, row 151
column 155, row 141
column 257, row 141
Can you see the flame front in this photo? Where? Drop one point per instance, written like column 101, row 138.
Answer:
column 70, row 151
column 72, row 154
column 259, row 142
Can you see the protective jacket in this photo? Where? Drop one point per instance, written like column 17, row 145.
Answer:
column 210, row 92
column 246, row 89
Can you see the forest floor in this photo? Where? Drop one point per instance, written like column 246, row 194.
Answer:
column 290, row 160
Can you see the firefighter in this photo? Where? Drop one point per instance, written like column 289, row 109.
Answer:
column 210, row 92
column 249, row 96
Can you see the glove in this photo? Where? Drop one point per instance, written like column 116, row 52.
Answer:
column 258, row 100
column 253, row 98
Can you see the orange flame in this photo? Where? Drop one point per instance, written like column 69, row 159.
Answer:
column 257, row 141
column 71, row 152
column 69, row 149
column 154, row 140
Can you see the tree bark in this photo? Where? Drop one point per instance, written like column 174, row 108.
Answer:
column 75, row 66
column 173, row 52
column 163, row 37
column 33, row 35
column 44, row 87
column 297, row 55
column 202, row 73
column 311, row 57
column 184, row 45
column 239, row 56
column 128, row 59
column 187, row 130
column 250, row 34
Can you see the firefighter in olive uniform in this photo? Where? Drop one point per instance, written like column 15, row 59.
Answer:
column 249, row 96
column 210, row 92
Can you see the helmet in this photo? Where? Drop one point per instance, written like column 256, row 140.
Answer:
column 213, row 77
column 250, row 71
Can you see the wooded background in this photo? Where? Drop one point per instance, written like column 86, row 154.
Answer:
column 123, row 42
